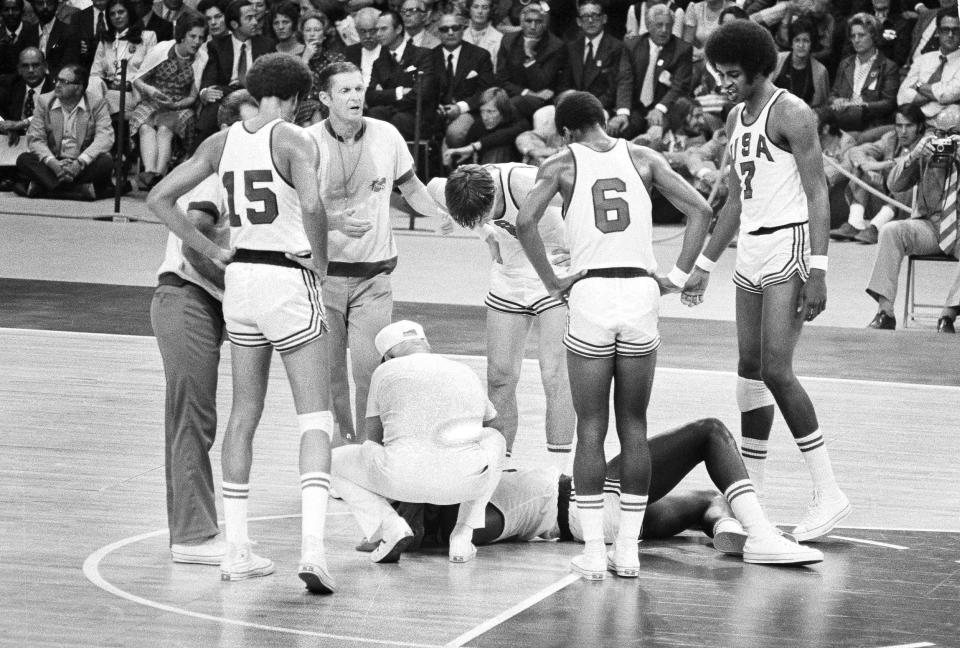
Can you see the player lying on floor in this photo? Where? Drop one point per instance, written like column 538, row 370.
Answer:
column 536, row 503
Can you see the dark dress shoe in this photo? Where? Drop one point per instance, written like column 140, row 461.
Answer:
column 883, row 321
column 945, row 325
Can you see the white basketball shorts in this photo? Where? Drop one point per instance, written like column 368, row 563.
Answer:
column 768, row 259
column 519, row 295
column 613, row 316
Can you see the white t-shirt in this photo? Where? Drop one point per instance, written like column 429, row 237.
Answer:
column 425, row 400
column 527, row 498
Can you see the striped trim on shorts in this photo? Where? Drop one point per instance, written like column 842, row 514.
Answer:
column 503, row 305
column 796, row 264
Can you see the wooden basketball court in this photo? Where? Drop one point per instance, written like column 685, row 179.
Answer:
column 83, row 545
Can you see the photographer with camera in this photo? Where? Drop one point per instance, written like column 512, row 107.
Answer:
column 933, row 167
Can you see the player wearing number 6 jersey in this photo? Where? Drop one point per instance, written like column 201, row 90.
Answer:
column 613, row 304
column 777, row 199
column 267, row 168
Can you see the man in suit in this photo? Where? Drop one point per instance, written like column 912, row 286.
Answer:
column 364, row 53
column 933, row 80
column 925, row 37
column 229, row 58
column 57, row 39
column 13, row 39
column 92, row 24
column 152, row 21
column 593, row 58
column 655, row 70
column 391, row 95
column 530, row 62
column 414, row 15
column 465, row 71
column 932, row 231
column 70, row 137
column 17, row 107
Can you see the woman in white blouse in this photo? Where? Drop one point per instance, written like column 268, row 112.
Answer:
column 481, row 31
column 125, row 39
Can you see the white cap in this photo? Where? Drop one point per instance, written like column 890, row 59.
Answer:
column 393, row 334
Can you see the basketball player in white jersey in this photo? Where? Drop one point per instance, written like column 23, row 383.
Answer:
column 614, row 300
column 361, row 161
column 267, row 168
column 486, row 199
column 778, row 202
column 535, row 502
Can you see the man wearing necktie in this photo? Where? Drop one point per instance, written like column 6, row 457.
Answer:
column 468, row 71
column 92, row 25
column 933, row 167
column 655, row 70
column 593, row 59
column 18, row 107
column 934, row 78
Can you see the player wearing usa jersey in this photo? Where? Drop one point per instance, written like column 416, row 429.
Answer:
column 485, row 199
column 777, row 200
column 613, row 302
column 267, row 168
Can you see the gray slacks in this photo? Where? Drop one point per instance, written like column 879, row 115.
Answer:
column 897, row 240
column 188, row 324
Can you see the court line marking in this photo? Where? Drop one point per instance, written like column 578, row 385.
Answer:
column 533, row 362
column 511, row 612
column 868, row 542
column 91, row 569
column 921, row 644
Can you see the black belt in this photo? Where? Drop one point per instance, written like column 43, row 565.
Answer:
column 770, row 230
column 364, row 269
column 617, row 273
column 268, row 257
column 563, row 508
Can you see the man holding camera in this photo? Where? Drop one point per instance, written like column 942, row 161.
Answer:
column 933, row 166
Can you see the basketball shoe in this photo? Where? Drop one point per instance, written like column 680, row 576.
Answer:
column 824, row 513
column 313, row 567
column 773, row 549
column 240, row 563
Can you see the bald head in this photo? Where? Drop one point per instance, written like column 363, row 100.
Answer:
column 31, row 66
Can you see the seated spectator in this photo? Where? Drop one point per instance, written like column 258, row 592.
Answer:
column 530, row 62
column 933, row 229
column 684, row 127
column 779, row 17
column 229, row 58
column 16, row 109
column 865, row 88
column 797, row 70
column 13, row 40
column 925, row 37
column 260, row 11
column 313, row 28
column 69, row 138
column 465, row 71
column 284, row 24
column 124, row 40
column 895, row 29
column 401, row 68
column 364, row 53
column 414, row 16
column 637, row 18
column 933, row 80
column 480, row 30
column 871, row 162
column 593, row 59
column 214, row 11
column 429, row 440
column 58, row 39
column 492, row 138
column 655, row 70
column 169, row 12
column 169, row 92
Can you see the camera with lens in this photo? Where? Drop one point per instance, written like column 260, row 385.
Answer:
column 944, row 150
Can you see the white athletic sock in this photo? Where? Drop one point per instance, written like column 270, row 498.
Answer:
column 314, row 489
column 884, row 216
column 754, row 454
column 856, row 216
column 746, row 507
column 815, row 455
column 632, row 509
column 560, row 455
column 590, row 512
column 235, row 498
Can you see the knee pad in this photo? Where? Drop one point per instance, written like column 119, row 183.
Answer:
column 752, row 394
column 322, row 421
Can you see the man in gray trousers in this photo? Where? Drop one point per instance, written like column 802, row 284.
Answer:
column 187, row 319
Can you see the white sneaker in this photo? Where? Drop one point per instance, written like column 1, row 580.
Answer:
column 313, row 567
column 240, row 563
column 729, row 536
column 774, row 549
column 590, row 566
column 625, row 564
column 824, row 513
column 208, row 552
column 394, row 541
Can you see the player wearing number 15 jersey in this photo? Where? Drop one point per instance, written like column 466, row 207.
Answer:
column 613, row 306
column 267, row 168
column 777, row 200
